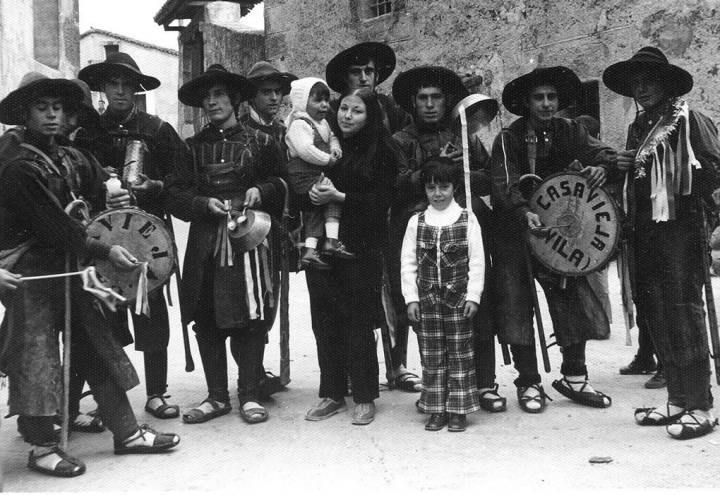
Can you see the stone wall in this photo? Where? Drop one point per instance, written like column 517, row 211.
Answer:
column 25, row 45
column 216, row 34
column 501, row 39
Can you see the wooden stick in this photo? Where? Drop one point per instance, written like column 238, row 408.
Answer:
column 54, row 275
column 64, row 433
column 285, row 247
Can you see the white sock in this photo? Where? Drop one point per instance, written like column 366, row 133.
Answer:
column 332, row 229
column 311, row 242
column 49, row 461
column 140, row 438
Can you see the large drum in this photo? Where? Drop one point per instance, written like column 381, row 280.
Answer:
column 581, row 228
column 141, row 233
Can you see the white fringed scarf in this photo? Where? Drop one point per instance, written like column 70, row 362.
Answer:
column 670, row 170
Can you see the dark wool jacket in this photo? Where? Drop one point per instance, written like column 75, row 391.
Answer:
column 582, row 316
column 251, row 159
column 165, row 150
column 33, row 194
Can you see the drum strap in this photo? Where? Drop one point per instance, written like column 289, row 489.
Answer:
column 531, row 142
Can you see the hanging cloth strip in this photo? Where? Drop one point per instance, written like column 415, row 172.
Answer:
column 670, row 170
column 256, row 263
column 258, row 281
column 142, row 305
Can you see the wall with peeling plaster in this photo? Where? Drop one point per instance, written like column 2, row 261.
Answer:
column 501, row 39
column 52, row 47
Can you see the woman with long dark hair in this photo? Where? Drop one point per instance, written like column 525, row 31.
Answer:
column 345, row 298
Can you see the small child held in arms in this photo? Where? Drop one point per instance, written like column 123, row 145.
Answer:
column 314, row 149
column 443, row 272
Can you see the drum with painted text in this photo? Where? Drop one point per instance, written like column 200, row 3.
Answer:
column 581, row 226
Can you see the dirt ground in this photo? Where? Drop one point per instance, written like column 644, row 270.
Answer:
column 511, row 450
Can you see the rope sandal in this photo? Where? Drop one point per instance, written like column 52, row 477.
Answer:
column 592, row 399
column 691, row 425
column 197, row 415
column 651, row 416
column 163, row 410
column 491, row 401
column 66, row 467
column 540, row 398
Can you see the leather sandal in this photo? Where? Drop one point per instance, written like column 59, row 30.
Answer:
column 540, row 398
column 197, row 415
column 146, row 441
column 651, row 416
column 253, row 415
column 592, row 399
column 269, row 385
column 92, row 425
column 492, row 401
column 407, row 382
column 164, row 410
column 691, row 425
column 68, row 467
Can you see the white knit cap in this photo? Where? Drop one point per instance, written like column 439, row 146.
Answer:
column 300, row 92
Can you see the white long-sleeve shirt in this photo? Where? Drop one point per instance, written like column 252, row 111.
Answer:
column 476, row 253
column 300, row 139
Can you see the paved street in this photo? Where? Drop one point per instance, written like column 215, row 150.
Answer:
column 511, row 450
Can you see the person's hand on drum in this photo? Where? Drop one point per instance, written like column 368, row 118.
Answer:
column 121, row 258
column 145, row 184
column 118, row 198
column 252, row 198
column 533, row 220
column 216, row 207
column 626, row 159
column 596, row 176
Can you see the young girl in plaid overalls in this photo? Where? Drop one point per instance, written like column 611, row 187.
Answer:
column 443, row 271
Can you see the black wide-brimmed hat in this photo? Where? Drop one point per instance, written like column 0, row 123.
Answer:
column 192, row 92
column 265, row 71
column 516, row 92
column 618, row 77
column 34, row 84
column 87, row 115
column 407, row 84
column 96, row 75
column 380, row 53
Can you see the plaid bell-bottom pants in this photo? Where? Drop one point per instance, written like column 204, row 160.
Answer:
column 445, row 339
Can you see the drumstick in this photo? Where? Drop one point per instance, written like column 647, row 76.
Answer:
column 54, row 275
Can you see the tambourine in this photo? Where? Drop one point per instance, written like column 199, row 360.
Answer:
column 144, row 236
column 581, row 227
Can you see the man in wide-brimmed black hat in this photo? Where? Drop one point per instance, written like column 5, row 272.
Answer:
column 541, row 144
column 38, row 238
column 672, row 162
column 124, row 125
column 365, row 65
column 227, row 291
